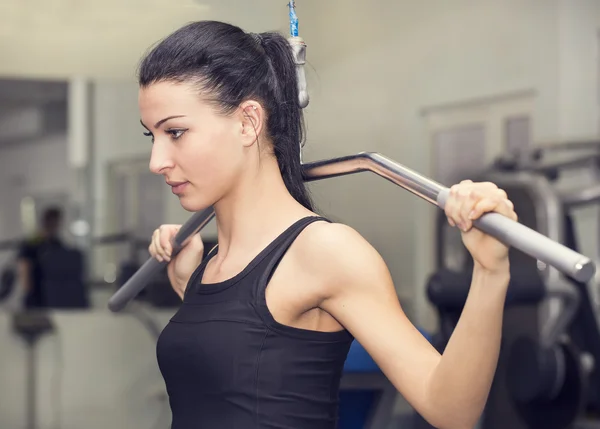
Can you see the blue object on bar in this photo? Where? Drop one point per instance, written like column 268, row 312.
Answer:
column 356, row 405
column 359, row 360
column 293, row 19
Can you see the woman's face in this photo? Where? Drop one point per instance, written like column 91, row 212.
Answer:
column 198, row 151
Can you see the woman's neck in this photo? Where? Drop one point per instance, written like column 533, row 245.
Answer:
column 254, row 213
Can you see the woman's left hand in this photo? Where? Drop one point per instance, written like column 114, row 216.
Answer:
column 467, row 202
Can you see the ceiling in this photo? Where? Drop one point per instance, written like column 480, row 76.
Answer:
column 105, row 39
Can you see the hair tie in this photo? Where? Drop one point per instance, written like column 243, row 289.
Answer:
column 257, row 38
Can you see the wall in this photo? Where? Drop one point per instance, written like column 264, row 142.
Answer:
column 579, row 68
column 579, row 105
column 62, row 41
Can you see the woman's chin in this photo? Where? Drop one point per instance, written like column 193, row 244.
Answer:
column 192, row 205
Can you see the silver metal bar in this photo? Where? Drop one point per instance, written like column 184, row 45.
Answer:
column 509, row 232
column 396, row 173
column 151, row 267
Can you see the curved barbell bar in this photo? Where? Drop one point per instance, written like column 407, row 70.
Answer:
column 504, row 229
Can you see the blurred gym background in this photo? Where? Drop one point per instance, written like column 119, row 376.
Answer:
column 507, row 90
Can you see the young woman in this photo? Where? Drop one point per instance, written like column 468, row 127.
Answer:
column 268, row 316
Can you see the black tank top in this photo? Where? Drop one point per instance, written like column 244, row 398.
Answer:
column 228, row 364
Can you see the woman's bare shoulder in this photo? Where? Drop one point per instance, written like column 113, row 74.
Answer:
column 337, row 254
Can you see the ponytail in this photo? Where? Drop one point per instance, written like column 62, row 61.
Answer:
column 285, row 120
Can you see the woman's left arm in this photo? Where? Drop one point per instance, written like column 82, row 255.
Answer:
column 462, row 378
column 449, row 391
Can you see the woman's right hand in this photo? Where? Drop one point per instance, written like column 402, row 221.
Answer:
column 182, row 266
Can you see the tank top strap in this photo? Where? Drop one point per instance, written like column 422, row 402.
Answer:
column 267, row 257
column 271, row 262
column 267, row 269
column 198, row 272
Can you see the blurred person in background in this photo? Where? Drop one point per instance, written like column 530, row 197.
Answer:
column 46, row 239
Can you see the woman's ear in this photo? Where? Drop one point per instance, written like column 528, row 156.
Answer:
column 251, row 123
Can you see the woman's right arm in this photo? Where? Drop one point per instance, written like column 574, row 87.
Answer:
column 182, row 266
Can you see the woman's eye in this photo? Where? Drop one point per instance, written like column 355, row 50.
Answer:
column 149, row 134
column 176, row 133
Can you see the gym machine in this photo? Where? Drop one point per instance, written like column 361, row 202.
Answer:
column 547, row 375
column 530, row 388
